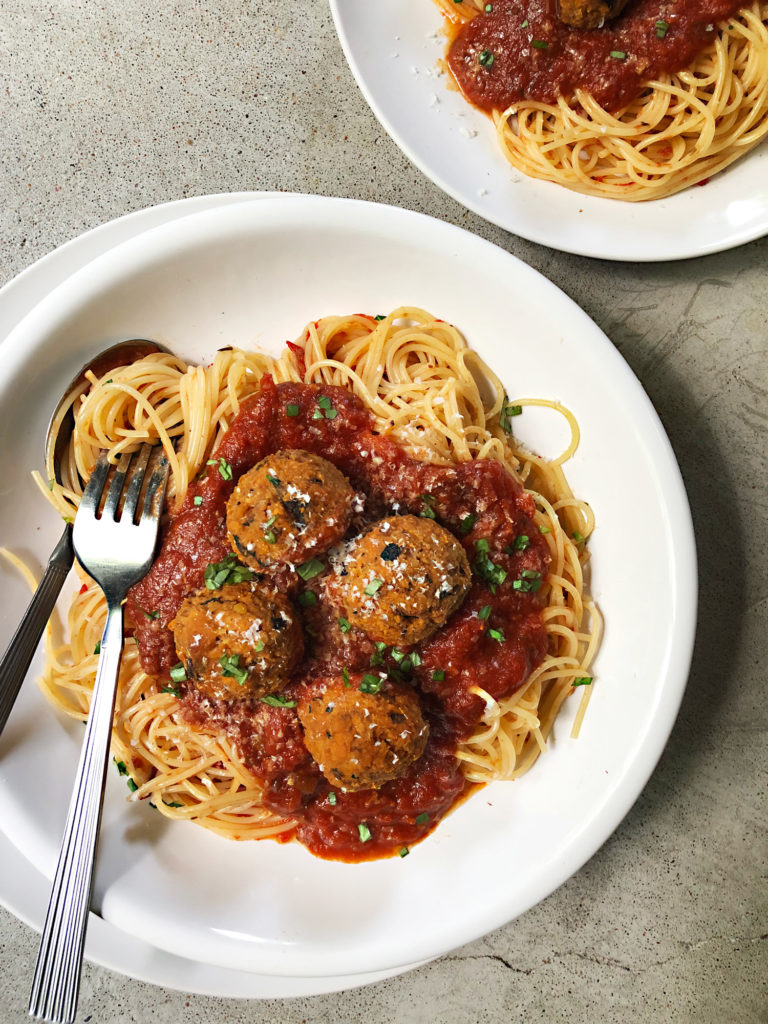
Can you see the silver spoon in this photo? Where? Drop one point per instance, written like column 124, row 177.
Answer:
column 18, row 655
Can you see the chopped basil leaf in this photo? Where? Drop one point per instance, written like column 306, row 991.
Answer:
column 373, row 587
column 317, row 414
column 415, row 659
column 497, row 634
column 344, row 624
column 422, row 819
column 311, row 568
column 275, row 701
column 484, row 613
column 390, row 552
column 332, row 798
column 404, row 851
column 197, row 500
column 525, row 24
column 438, row 675
column 364, row 832
column 662, row 27
column 324, row 402
column 582, row 681
column 468, row 522
column 121, row 769
column 485, row 58
column 331, row 414
column 230, row 667
column 618, row 54
column 292, row 409
column 370, row 683
column 428, row 511
column 97, row 648
column 307, row 598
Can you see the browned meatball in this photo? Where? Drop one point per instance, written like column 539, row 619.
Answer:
column 589, row 13
column 362, row 738
column 289, row 507
column 237, row 641
column 404, row 577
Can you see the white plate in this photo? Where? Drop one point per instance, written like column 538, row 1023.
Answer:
column 254, row 274
column 393, row 49
column 23, row 890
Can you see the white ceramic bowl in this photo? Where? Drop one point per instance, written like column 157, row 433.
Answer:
column 254, row 274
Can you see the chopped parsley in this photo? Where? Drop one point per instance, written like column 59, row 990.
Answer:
column 291, row 409
column 618, row 54
column 540, row 44
column 415, row 659
column 311, row 568
column 344, row 624
column 529, row 581
column 325, row 409
column 273, row 480
column 390, row 552
column 497, row 635
column 662, row 27
column 485, row 58
column 230, row 667
column 307, row 598
column 468, row 522
column 484, row 613
column 422, row 819
column 521, row 542
column 373, row 587
column 259, row 647
column 491, row 574
column 197, row 500
column 364, row 832
column 428, row 511
column 332, row 798
column 438, row 675
column 370, row 683
column 151, row 615
column 225, row 470
column 582, row 681
column 525, row 24
column 276, row 701
column 509, row 411
column 228, row 570
column 404, row 851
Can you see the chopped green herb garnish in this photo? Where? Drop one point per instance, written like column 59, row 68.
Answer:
column 273, row 480
column 259, row 646
column 415, row 659
column 275, row 701
column 373, row 587
column 390, row 552
column 345, row 677
column 308, row 570
column 522, row 542
column 151, row 615
column 404, row 851
column 540, row 44
column 422, row 819
column 331, row 414
column 225, row 470
column 497, row 634
column 485, row 58
column 332, row 798
column 468, row 522
column 97, row 648
column 51, row 482
column 172, row 803
column 493, row 575
column 662, row 27
column 197, row 500
column 488, row 8
column 269, row 522
column 578, row 537
column 68, row 519
column 438, row 675
column 525, row 24
column 344, row 624
column 380, row 316
column 292, row 409
column 428, row 511
column 171, row 689
column 582, row 681
column 317, row 414
column 324, row 402
column 178, row 673
column 131, row 785
column 509, row 411
column 529, row 581
column 484, row 613
column 228, row 570
column 618, row 54
column 270, row 537
column 121, row 769
column 370, row 683
column 307, row 598
column 544, row 529
column 230, row 667
column 364, row 832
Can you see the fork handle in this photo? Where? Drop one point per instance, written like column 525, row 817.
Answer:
column 56, row 982
column 19, row 653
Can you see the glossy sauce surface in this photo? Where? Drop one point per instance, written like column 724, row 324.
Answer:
column 521, row 50
column 459, row 655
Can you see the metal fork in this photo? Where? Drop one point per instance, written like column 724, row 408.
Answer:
column 116, row 550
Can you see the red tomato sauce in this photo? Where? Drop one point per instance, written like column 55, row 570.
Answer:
column 521, row 50
column 477, row 501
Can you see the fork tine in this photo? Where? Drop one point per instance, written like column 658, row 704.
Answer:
column 92, row 494
column 136, row 475
column 155, row 492
column 116, row 487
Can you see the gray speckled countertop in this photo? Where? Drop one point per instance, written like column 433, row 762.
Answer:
column 108, row 108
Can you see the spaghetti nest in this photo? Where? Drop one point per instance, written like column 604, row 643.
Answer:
column 681, row 130
column 429, row 392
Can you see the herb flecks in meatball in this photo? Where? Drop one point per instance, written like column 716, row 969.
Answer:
column 404, row 577
column 237, row 641
column 289, row 507
column 363, row 731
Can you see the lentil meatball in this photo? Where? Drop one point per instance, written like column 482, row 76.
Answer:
column 404, row 577
column 237, row 641
column 362, row 739
column 290, row 506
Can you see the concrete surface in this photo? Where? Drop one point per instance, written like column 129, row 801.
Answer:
column 109, row 107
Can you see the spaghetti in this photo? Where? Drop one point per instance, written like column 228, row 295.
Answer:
column 674, row 130
column 432, row 395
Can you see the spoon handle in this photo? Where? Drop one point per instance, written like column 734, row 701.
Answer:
column 15, row 661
